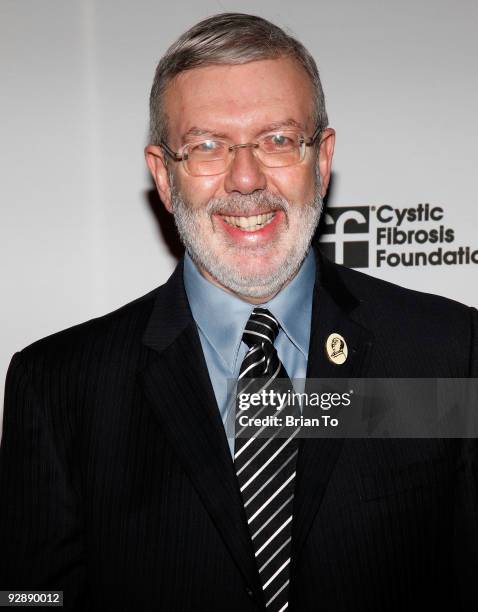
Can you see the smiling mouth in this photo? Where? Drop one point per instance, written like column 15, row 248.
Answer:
column 250, row 224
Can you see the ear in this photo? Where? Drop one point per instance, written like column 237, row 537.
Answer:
column 154, row 156
column 326, row 152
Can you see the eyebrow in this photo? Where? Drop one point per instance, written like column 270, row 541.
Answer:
column 276, row 125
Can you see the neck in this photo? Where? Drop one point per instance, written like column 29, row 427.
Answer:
column 262, row 299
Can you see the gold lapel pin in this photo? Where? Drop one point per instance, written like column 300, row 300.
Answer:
column 336, row 349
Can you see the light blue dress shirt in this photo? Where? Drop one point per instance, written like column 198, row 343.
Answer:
column 221, row 318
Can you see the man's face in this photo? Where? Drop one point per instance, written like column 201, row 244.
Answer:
column 239, row 104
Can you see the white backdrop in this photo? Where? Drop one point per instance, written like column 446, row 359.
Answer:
column 78, row 237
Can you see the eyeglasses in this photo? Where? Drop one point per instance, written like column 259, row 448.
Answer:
column 211, row 157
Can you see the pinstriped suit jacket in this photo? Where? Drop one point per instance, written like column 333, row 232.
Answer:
column 117, row 485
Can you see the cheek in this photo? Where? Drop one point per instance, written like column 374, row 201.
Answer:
column 198, row 190
column 296, row 184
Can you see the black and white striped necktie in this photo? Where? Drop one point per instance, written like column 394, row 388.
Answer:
column 265, row 466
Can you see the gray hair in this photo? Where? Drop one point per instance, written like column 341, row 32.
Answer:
column 228, row 38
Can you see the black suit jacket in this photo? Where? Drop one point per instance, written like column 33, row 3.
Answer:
column 117, row 484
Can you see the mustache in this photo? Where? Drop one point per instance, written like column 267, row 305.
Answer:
column 260, row 202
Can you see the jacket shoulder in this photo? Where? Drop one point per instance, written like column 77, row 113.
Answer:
column 94, row 333
column 369, row 290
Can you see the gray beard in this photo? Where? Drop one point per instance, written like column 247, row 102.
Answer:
column 252, row 285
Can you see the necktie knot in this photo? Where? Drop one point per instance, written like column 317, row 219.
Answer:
column 262, row 327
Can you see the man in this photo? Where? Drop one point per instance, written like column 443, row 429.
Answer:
column 119, row 484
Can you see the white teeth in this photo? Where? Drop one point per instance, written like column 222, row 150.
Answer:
column 250, row 224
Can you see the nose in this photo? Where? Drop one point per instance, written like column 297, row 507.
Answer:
column 245, row 173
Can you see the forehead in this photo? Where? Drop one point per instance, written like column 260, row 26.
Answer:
column 239, row 99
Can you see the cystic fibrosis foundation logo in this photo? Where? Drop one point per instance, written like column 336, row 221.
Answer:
column 345, row 235
column 381, row 236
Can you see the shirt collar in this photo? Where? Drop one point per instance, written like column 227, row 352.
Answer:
column 222, row 317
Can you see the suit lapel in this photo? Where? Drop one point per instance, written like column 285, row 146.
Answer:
column 177, row 384
column 333, row 311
